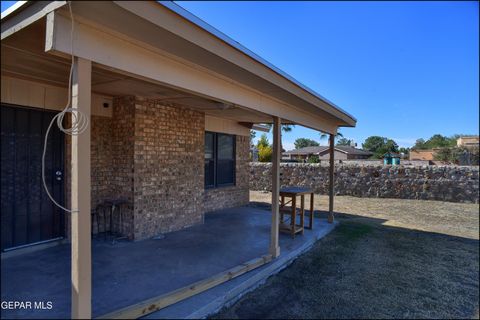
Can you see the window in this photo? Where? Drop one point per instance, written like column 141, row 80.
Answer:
column 219, row 160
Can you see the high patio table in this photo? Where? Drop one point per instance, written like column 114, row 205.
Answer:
column 293, row 193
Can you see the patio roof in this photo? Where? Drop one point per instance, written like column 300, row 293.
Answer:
column 146, row 49
column 165, row 42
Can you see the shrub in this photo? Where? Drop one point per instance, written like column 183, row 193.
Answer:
column 264, row 153
column 313, row 159
column 462, row 156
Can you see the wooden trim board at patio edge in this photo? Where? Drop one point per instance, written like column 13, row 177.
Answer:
column 154, row 304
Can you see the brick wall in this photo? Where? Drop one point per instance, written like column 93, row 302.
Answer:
column 238, row 194
column 152, row 155
column 122, row 139
column 168, row 169
column 102, row 168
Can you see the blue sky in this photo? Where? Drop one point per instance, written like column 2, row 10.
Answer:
column 405, row 70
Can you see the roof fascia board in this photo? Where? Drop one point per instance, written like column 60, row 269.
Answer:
column 24, row 13
column 12, row 8
column 207, row 37
column 105, row 49
column 260, row 127
column 340, row 150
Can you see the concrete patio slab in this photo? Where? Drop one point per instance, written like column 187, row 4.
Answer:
column 129, row 272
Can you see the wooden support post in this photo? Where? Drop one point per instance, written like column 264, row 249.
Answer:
column 331, row 179
column 274, row 247
column 311, row 211
column 302, row 212
column 80, row 194
column 282, row 205
column 293, row 220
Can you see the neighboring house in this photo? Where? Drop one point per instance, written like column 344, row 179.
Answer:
column 341, row 153
column 468, row 141
column 171, row 102
column 345, row 153
column 302, row 153
column 419, row 154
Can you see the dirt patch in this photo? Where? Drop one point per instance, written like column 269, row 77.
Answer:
column 377, row 264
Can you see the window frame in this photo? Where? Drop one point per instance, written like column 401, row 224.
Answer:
column 215, row 184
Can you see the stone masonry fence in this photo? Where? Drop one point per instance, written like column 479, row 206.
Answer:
column 445, row 183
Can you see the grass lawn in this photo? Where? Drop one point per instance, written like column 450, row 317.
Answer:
column 388, row 258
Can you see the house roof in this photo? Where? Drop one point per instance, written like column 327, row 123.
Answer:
column 352, row 150
column 201, row 23
column 322, row 149
column 307, row 150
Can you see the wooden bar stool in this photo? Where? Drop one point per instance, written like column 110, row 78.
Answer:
column 293, row 193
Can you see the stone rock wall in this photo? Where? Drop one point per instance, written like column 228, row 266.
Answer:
column 237, row 195
column 445, row 183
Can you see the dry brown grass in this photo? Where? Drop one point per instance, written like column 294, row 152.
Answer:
column 388, row 258
column 456, row 219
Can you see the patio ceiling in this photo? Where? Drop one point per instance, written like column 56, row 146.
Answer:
column 23, row 56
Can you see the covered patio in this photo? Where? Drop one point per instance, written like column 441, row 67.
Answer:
column 170, row 103
column 127, row 273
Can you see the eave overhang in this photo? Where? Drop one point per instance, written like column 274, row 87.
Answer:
column 164, row 33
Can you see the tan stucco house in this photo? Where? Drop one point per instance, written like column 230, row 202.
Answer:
column 170, row 102
column 468, row 141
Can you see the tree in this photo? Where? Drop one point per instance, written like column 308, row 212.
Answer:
column 404, row 151
column 391, row 146
column 374, row 143
column 419, row 144
column 327, row 135
column 439, row 141
column 264, row 149
column 379, row 146
column 344, row 142
column 285, row 128
column 263, row 141
column 436, row 141
column 443, row 154
column 265, row 154
column 457, row 155
column 304, row 142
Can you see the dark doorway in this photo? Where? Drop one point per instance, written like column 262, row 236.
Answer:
column 27, row 215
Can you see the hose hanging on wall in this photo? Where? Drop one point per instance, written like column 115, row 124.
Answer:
column 79, row 122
